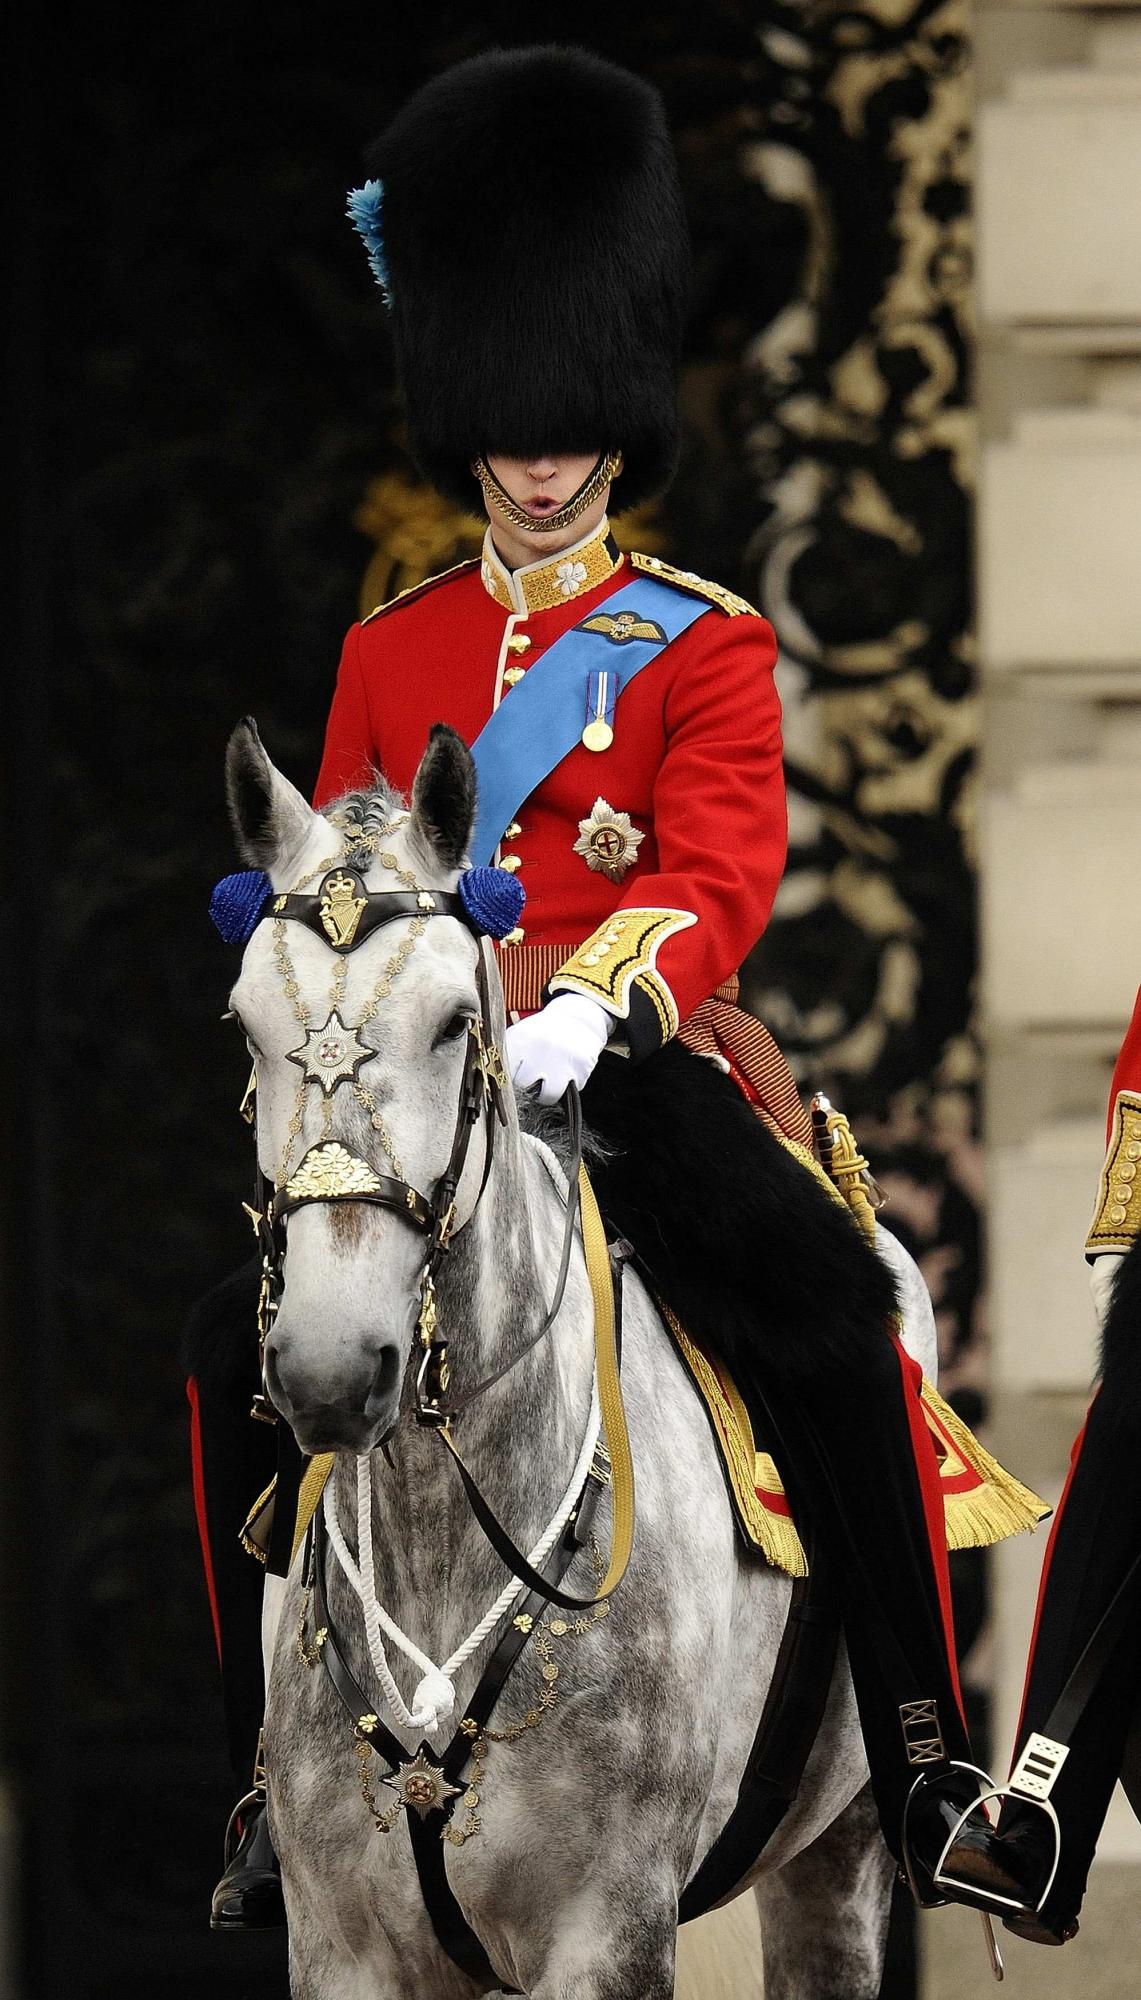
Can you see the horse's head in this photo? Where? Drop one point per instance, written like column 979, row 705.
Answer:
column 368, row 1002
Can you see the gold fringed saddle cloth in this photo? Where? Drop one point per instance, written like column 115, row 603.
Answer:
column 982, row 1502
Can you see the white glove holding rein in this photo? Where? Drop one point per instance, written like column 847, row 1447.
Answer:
column 558, row 1045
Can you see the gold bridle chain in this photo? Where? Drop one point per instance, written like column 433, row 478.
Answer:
column 559, row 1627
column 381, row 992
column 292, row 991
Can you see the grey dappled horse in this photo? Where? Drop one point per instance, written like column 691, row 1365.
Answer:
column 592, row 1822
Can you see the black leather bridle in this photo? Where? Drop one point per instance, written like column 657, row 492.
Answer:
column 482, row 1097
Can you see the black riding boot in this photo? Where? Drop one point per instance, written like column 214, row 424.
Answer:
column 1095, row 1540
column 249, row 1895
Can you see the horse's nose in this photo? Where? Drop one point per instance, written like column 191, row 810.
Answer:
column 346, row 1409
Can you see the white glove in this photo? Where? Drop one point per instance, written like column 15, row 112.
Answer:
column 558, row 1045
column 1102, row 1273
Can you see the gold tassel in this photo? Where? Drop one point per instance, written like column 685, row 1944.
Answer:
column 845, row 1164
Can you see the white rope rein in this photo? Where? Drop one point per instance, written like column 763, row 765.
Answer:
column 435, row 1695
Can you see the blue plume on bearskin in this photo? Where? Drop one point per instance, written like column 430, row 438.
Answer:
column 364, row 212
column 493, row 900
column 235, row 904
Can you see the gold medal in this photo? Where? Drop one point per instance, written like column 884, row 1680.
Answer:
column 597, row 735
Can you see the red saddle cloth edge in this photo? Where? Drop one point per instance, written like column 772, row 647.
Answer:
column 983, row 1503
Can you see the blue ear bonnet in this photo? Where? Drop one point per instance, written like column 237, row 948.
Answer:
column 236, row 904
column 492, row 898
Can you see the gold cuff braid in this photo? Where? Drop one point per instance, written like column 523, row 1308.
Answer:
column 1117, row 1216
column 620, row 956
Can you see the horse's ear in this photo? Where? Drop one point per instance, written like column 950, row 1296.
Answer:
column 271, row 820
column 443, row 798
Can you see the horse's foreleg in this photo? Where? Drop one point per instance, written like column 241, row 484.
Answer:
column 318, row 1971
column 608, row 1948
column 824, row 1914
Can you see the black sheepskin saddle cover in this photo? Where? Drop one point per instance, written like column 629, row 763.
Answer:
column 735, row 1233
column 220, row 1342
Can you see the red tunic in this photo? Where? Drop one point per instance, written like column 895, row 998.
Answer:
column 695, row 763
column 1127, row 1074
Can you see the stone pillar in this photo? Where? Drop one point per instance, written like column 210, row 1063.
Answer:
column 1058, row 181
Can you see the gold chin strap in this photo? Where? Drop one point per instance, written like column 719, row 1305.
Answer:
column 596, row 483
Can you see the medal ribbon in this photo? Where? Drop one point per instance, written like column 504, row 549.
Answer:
column 540, row 720
column 601, row 699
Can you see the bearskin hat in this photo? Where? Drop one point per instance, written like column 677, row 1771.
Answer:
column 536, row 258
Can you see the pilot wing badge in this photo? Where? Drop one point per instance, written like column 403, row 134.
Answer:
column 622, row 627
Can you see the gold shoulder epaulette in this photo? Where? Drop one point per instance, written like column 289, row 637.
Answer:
column 684, row 579
column 1117, row 1217
column 418, row 589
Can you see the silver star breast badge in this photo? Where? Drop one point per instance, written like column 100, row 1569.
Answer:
column 330, row 1055
column 421, row 1785
column 608, row 841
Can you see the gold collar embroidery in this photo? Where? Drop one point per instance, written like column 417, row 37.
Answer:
column 538, row 586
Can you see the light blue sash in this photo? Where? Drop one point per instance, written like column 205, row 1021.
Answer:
column 540, row 720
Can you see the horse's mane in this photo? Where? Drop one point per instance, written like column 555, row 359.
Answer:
column 548, row 1123
column 363, row 812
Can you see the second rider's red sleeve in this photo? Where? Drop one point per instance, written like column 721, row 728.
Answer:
column 1117, row 1213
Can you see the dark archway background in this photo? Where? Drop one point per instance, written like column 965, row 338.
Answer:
column 208, row 461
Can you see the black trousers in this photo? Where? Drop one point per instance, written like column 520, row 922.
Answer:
column 764, row 1266
column 1096, row 1535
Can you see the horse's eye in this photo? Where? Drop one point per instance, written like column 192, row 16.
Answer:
column 452, row 1030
